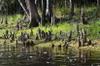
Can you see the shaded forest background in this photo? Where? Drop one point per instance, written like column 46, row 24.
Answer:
column 50, row 12
column 13, row 6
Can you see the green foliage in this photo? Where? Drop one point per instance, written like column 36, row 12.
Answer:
column 65, row 27
column 94, row 30
column 12, row 21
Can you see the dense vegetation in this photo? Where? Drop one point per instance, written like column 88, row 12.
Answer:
column 71, row 25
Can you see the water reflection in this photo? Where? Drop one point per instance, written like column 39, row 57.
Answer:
column 45, row 57
column 46, row 61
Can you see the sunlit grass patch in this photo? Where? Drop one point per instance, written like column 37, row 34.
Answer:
column 65, row 27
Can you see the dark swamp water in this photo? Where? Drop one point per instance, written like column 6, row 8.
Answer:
column 23, row 59
column 16, row 56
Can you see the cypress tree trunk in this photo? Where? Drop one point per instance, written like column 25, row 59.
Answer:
column 65, row 3
column 98, row 8
column 47, row 11
column 34, row 16
column 31, row 10
column 98, row 3
column 71, row 9
column 82, row 16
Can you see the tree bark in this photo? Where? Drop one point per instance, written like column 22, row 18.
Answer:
column 47, row 11
column 65, row 3
column 32, row 12
column 24, row 7
column 83, row 20
column 98, row 8
column 71, row 9
column 98, row 3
